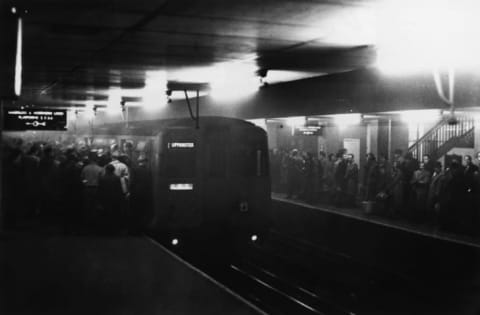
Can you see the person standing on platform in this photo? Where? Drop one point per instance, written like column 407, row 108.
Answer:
column 369, row 182
column 308, row 177
column 129, row 153
column 394, row 191
column 453, row 217
column 382, row 181
column 340, row 181
column 322, row 165
column 398, row 157
column 320, row 174
column 401, row 162
column 329, row 179
column 141, row 201
column 294, row 171
column 429, row 165
column 71, row 191
column 470, row 172
column 351, row 177
column 420, row 184
column 476, row 194
column 435, row 198
column 284, row 164
column 90, row 177
column 410, row 165
column 111, row 197
column 275, row 169
column 121, row 170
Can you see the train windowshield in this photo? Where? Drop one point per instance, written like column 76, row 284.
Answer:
column 180, row 160
column 217, row 153
column 218, row 163
column 250, row 161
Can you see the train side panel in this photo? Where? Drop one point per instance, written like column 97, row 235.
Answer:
column 251, row 181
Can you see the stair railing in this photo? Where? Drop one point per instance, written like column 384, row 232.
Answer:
column 439, row 135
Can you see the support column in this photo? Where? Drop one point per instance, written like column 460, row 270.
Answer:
column 389, row 150
column 272, row 132
column 372, row 137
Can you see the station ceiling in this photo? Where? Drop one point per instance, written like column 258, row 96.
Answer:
column 77, row 50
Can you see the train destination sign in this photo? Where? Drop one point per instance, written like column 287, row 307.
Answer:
column 181, row 145
column 35, row 119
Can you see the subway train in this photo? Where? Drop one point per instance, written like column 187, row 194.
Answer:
column 210, row 184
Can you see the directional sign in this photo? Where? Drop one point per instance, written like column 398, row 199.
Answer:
column 308, row 131
column 35, row 119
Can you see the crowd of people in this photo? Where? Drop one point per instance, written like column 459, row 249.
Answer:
column 404, row 188
column 91, row 187
column 85, row 188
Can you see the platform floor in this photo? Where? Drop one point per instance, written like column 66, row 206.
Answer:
column 47, row 274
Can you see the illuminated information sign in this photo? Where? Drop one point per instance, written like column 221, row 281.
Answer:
column 308, row 131
column 35, row 119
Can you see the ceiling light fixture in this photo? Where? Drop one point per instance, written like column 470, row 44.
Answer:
column 169, row 94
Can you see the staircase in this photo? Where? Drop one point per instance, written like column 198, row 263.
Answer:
column 443, row 137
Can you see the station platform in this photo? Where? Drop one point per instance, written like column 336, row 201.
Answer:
column 48, row 274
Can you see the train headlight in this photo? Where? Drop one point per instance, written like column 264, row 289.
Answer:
column 175, row 241
column 243, row 206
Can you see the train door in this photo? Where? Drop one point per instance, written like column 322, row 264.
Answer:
column 250, row 169
column 180, row 178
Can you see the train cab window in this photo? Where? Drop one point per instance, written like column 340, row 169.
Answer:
column 217, row 163
column 181, row 160
column 250, row 161
column 216, row 154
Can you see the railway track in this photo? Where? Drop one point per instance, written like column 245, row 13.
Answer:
column 276, row 295
column 283, row 276
column 262, row 285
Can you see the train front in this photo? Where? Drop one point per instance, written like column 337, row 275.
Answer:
column 212, row 186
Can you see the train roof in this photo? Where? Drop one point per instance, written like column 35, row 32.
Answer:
column 153, row 127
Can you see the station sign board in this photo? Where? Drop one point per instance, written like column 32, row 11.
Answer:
column 308, row 130
column 34, row 119
column 181, row 145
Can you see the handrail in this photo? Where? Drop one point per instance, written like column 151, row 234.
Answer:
column 439, row 124
column 466, row 138
column 440, row 134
